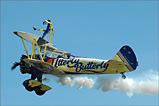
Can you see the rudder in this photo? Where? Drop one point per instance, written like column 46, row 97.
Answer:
column 128, row 57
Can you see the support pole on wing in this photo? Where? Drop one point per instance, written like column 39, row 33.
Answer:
column 25, row 48
column 52, row 53
column 33, row 49
column 39, row 50
column 44, row 51
column 51, row 35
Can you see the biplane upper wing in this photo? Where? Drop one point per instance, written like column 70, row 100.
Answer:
column 44, row 67
column 41, row 42
column 30, row 37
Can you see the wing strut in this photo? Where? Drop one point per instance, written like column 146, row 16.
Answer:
column 33, row 50
column 39, row 50
column 25, row 48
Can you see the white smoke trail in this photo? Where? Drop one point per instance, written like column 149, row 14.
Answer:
column 84, row 81
column 80, row 80
column 141, row 87
column 145, row 84
column 107, row 83
column 66, row 80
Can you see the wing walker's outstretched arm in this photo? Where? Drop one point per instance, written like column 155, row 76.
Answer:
column 48, row 29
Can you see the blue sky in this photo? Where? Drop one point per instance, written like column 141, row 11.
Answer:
column 96, row 29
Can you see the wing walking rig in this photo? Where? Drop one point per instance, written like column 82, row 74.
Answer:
column 66, row 64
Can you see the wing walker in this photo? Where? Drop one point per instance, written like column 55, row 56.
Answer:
column 47, row 59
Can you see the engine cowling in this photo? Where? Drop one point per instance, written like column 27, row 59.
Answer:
column 24, row 67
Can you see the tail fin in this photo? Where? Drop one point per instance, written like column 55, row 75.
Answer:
column 127, row 56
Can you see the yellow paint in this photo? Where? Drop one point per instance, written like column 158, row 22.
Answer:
column 115, row 66
column 49, row 42
column 42, row 30
column 45, row 88
column 51, row 35
column 39, row 51
column 25, row 47
column 52, row 54
column 44, row 51
column 34, row 83
column 33, row 49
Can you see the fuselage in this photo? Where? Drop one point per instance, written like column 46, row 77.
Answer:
column 80, row 65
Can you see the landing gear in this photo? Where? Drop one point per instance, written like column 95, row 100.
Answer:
column 123, row 76
column 37, row 86
column 38, row 91
column 26, row 85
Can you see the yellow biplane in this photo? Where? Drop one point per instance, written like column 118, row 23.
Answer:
column 61, row 63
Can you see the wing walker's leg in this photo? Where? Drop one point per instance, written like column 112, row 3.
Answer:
column 50, row 36
column 49, row 42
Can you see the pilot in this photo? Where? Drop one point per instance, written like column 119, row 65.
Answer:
column 48, row 29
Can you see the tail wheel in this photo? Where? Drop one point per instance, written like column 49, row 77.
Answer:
column 123, row 76
column 26, row 85
column 38, row 91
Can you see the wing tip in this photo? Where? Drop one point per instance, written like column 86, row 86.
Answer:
column 15, row 32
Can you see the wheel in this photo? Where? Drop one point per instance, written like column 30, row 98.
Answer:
column 38, row 91
column 26, row 85
column 123, row 76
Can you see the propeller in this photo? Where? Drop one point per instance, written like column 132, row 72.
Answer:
column 15, row 65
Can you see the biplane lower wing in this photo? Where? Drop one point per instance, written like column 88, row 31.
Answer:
column 55, row 50
column 44, row 67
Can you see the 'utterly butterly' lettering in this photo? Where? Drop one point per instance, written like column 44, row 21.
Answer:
column 75, row 63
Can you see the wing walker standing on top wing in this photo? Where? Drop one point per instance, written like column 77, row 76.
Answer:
column 65, row 64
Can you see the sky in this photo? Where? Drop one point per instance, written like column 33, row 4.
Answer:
column 95, row 29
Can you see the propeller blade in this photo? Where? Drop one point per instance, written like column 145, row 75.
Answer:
column 15, row 65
